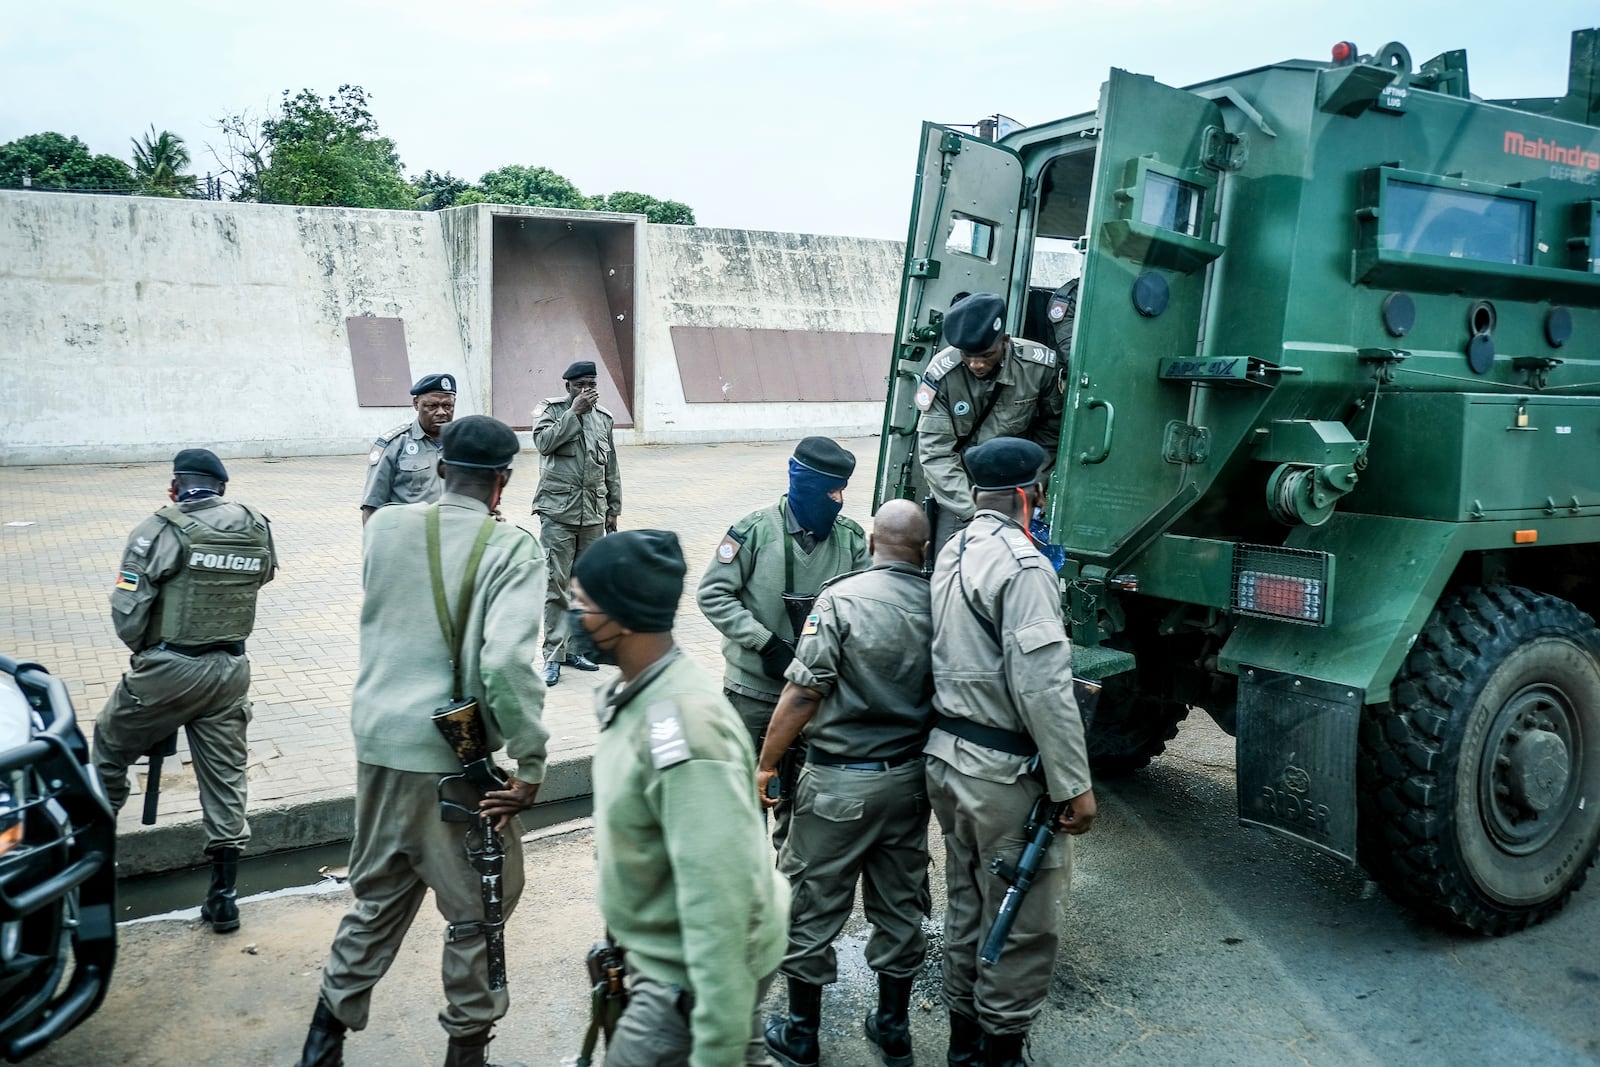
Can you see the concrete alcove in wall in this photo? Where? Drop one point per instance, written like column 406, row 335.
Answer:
column 563, row 290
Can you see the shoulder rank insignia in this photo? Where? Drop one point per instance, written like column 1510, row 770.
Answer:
column 383, row 440
column 1035, row 353
column 668, row 746
column 544, row 405
column 1021, row 547
column 810, row 627
column 732, row 542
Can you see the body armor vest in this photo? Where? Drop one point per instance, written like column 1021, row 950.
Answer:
column 213, row 597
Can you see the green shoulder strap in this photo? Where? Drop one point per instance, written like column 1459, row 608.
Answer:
column 454, row 631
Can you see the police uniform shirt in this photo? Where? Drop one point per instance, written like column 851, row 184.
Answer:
column 154, row 554
column 579, row 483
column 403, row 468
column 1023, row 398
column 867, row 648
column 1025, row 683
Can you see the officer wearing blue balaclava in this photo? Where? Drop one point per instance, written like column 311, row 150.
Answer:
column 767, row 571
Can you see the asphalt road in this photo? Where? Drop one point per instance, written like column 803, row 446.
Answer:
column 1191, row 940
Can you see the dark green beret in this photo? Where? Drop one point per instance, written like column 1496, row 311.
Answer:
column 435, row 383
column 1004, row 463
column 825, row 456
column 974, row 323
column 479, row 441
column 201, row 461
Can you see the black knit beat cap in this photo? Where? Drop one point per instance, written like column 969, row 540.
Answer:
column 201, row 461
column 479, row 441
column 1004, row 463
column 973, row 324
column 435, row 383
column 635, row 576
column 825, row 456
column 584, row 368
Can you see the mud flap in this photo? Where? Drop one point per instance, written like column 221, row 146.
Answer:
column 1296, row 758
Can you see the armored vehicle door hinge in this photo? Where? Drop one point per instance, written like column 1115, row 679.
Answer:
column 1221, row 150
column 924, row 268
column 1184, row 444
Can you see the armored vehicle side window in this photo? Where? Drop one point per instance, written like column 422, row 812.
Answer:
column 1172, row 204
column 970, row 237
column 1456, row 223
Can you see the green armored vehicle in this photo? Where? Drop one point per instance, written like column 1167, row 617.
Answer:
column 1329, row 466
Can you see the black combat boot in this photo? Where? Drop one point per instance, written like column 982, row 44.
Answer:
column 221, row 908
column 472, row 1051
column 794, row 1040
column 966, row 1042
column 1004, row 1050
column 324, row 1040
column 889, row 1027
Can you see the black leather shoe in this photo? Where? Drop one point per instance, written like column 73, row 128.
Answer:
column 552, row 673
column 890, row 1026
column 324, row 1040
column 221, row 908
column 792, row 1041
column 966, row 1042
column 580, row 663
column 472, row 1052
column 1004, row 1050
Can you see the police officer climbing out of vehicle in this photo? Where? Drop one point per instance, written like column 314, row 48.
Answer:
column 861, row 685
column 403, row 466
column 579, row 497
column 1006, row 730
column 759, row 587
column 987, row 384
column 185, row 601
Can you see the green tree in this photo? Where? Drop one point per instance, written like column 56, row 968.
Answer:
column 665, row 211
column 316, row 151
column 159, row 162
column 438, row 191
column 533, row 186
column 54, row 161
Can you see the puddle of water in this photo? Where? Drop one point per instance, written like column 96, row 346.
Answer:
column 177, row 894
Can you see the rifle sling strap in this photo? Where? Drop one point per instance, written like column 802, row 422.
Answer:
column 454, row 630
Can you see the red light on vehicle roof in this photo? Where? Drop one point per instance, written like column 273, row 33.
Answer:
column 1344, row 52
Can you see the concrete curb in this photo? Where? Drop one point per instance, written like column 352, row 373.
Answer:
column 327, row 820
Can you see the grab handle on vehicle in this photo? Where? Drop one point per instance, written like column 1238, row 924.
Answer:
column 1105, row 441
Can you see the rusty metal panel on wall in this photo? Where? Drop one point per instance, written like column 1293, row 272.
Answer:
column 378, row 357
column 732, row 364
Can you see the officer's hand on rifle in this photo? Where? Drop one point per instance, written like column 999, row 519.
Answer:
column 517, row 796
column 1078, row 816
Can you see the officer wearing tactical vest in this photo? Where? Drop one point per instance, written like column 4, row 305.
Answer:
column 759, row 588
column 579, row 497
column 403, row 466
column 685, row 888
column 184, row 602
column 1006, row 729
column 861, row 686
column 987, row 384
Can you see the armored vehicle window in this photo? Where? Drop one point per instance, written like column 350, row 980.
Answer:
column 1456, row 223
column 970, row 237
column 1172, row 204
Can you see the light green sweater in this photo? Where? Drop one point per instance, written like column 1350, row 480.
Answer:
column 687, row 883
column 405, row 664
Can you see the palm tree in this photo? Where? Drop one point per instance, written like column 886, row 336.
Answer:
column 158, row 164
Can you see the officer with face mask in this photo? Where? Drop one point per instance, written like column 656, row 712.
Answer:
column 767, row 571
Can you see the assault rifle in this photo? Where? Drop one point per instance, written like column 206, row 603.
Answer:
column 461, row 723
column 1040, row 831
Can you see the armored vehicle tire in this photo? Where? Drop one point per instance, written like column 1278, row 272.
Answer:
column 1480, row 782
column 1129, row 729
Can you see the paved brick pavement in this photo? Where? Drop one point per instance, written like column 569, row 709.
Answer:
column 62, row 529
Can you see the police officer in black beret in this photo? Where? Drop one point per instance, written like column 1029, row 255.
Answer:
column 1006, row 729
column 403, row 466
column 987, row 384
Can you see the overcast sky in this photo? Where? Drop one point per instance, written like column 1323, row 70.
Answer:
column 780, row 116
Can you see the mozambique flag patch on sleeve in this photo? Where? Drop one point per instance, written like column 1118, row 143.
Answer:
column 128, row 580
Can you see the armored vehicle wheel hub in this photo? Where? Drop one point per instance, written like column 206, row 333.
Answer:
column 1524, row 786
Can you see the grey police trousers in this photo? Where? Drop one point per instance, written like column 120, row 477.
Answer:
column 654, row 1030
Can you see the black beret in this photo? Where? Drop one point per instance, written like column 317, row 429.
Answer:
column 434, row 383
column 479, row 441
column 974, row 323
column 201, row 461
column 825, row 456
column 635, row 576
column 584, row 368
column 1004, row 463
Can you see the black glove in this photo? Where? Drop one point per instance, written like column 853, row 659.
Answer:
column 776, row 655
